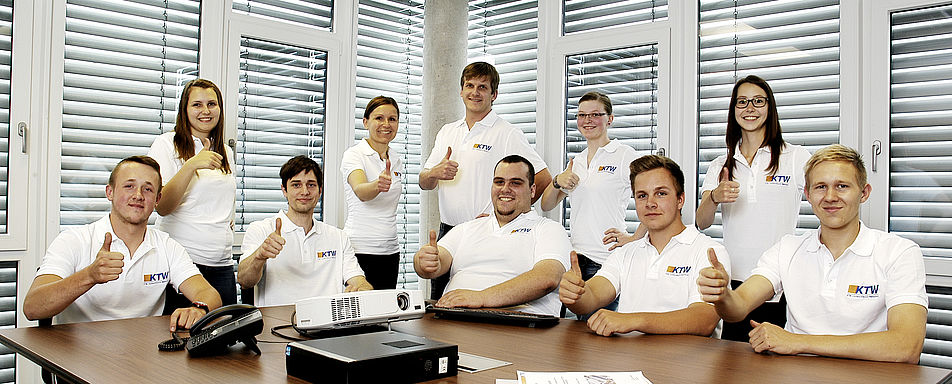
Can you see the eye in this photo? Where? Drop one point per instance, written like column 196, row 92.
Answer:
column 641, row 195
column 662, row 193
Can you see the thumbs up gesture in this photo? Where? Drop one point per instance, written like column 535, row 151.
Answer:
column 727, row 190
column 429, row 255
column 572, row 287
column 568, row 180
column 384, row 180
column 108, row 265
column 206, row 158
column 446, row 169
column 272, row 245
column 713, row 281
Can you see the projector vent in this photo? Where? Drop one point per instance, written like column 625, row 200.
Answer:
column 345, row 308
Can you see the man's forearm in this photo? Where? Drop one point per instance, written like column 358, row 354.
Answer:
column 697, row 319
column 528, row 286
column 49, row 295
column 250, row 270
column 427, row 181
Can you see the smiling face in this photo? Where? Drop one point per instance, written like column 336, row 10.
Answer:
column 133, row 193
column 477, row 95
column 656, row 199
column 593, row 128
column 382, row 124
column 204, row 111
column 750, row 118
column 302, row 192
column 834, row 191
column 511, row 193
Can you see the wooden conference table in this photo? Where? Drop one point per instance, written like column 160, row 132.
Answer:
column 124, row 351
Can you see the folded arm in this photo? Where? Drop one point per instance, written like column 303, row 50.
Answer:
column 530, row 285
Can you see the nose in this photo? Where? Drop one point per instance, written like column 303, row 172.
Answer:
column 830, row 194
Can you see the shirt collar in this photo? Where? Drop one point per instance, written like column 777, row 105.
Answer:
column 364, row 148
column 288, row 226
column 104, row 225
column 762, row 151
column 861, row 246
column 687, row 236
column 487, row 121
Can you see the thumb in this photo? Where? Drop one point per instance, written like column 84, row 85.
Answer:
column 725, row 175
column 388, row 167
column 432, row 238
column 107, row 242
column 571, row 163
column 277, row 226
column 574, row 258
column 754, row 324
column 206, row 144
column 712, row 257
column 449, row 151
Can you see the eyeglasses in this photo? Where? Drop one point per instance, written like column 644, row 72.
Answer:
column 758, row 102
column 583, row 116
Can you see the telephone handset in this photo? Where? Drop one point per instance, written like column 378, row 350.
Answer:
column 225, row 326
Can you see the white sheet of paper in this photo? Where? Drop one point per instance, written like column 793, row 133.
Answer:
column 583, row 377
column 473, row 363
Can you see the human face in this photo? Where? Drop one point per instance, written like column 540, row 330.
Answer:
column 511, row 193
column 656, row 200
column 593, row 128
column 204, row 110
column 382, row 124
column 834, row 192
column 477, row 95
column 302, row 192
column 750, row 118
column 134, row 194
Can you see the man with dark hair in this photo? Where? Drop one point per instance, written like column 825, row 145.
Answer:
column 472, row 146
column 652, row 277
column 125, row 275
column 511, row 258
column 292, row 256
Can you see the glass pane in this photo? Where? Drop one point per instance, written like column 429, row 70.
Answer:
column 280, row 115
column 629, row 77
column 312, row 13
column 6, row 47
column 590, row 15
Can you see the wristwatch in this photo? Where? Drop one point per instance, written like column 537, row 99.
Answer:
column 200, row 305
column 555, row 183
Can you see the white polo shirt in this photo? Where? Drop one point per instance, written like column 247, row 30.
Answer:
column 317, row 263
column 140, row 289
column 204, row 221
column 477, row 151
column 769, row 208
column 851, row 294
column 601, row 197
column 485, row 254
column 372, row 225
column 646, row 281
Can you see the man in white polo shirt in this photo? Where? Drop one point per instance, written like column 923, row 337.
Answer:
column 292, row 256
column 512, row 258
column 465, row 152
column 851, row 291
column 116, row 267
column 653, row 278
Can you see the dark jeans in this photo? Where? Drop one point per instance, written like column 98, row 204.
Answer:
column 589, row 269
column 380, row 270
column 220, row 278
column 774, row 313
column 438, row 284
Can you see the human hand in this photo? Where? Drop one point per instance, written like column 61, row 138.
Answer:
column 727, row 190
column 446, row 169
column 206, row 158
column 713, row 281
column 273, row 244
column 185, row 317
column 430, row 255
column 617, row 238
column 568, row 179
column 385, row 179
column 768, row 337
column 464, row 298
column 108, row 265
column 572, row 287
column 605, row 322
column 361, row 284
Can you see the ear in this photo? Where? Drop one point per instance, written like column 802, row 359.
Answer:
column 532, row 189
column 365, row 122
column 495, row 93
column 284, row 191
column 109, row 191
column 611, row 118
column 680, row 201
column 866, row 191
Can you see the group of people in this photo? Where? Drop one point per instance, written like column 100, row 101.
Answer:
column 840, row 290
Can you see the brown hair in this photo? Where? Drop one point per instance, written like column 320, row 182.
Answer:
column 145, row 160
column 599, row 97
column 481, row 69
column 515, row 159
column 772, row 135
column 649, row 162
column 380, row 101
column 296, row 165
column 182, row 140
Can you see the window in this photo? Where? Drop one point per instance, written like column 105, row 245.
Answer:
column 313, row 13
column 590, row 15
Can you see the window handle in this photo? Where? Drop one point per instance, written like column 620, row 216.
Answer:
column 877, row 150
column 21, row 131
column 661, row 151
column 232, row 143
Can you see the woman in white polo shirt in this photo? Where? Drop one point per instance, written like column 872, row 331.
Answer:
column 758, row 186
column 373, row 170
column 597, row 184
column 198, row 198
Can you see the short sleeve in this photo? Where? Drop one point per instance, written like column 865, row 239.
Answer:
column 613, row 266
column 631, row 155
column 181, row 267
column 452, row 239
column 701, row 261
column 256, row 233
column 439, row 149
column 769, row 266
column 163, row 152
column 552, row 243
column 351, row 267
column 519, row 145
column 350, row 162
column 64, row 254
column 800, row 157
column 711, row 179
column 906, row 278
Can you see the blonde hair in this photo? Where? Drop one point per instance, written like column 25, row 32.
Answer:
column 837, row 152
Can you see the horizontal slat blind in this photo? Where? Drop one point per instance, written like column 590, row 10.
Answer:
column 590, row 15
column 794, row 45
column 505, row 34
column 937, row 348
column 6, row 56
column 281, row 95
column 390, row 63
column 312, row 13
column 124, row 66
column 629, row 76
column 8, row 317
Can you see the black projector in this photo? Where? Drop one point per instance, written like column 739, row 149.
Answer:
column 366, row 358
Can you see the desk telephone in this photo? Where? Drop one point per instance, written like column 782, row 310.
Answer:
column 223, row 327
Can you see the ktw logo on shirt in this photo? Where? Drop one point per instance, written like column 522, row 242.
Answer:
column 326, row 254
column 156, row 278
column 482, row 147
column 607, row 169
column 677, row 271
column 521, row 230
column 863, row 291
column 778, row 180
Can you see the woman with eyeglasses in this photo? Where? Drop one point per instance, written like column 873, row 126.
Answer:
column 598, row 187
column 758, row 186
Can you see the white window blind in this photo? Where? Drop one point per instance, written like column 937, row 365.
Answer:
column 504, row 33
column 281, row 94
column 312, row 13
column 8, row 317
column 920, row 167
column 390, row 63
column 6, row 56
column 629, row 77
column 794, row 45
column 124, row 66
column 590, row 15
